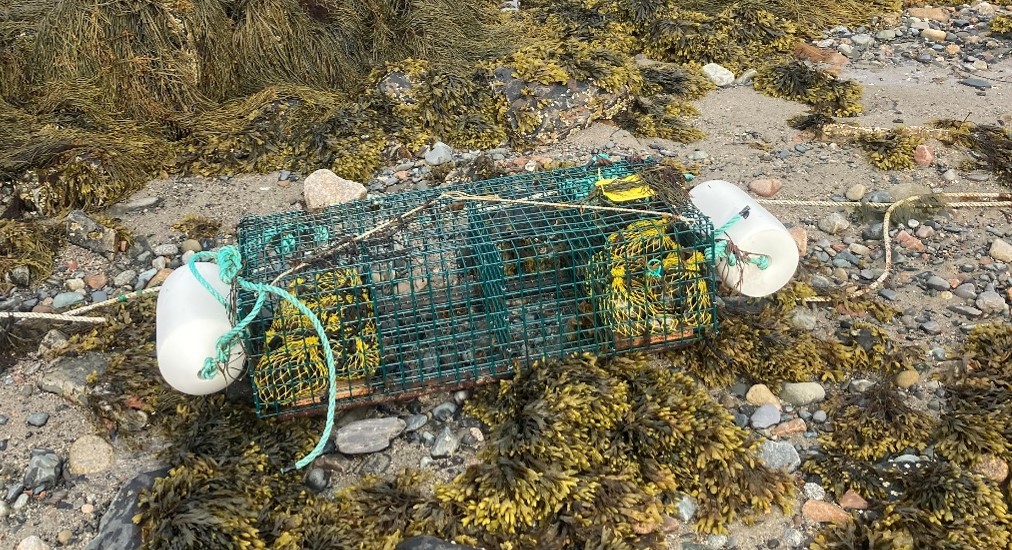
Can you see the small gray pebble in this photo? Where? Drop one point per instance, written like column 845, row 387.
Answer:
column 317, row 479
column 38, row 420
column 820, row 416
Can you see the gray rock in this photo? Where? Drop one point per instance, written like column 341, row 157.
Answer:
column 460, row 396
column 446, row 444
column 20, row 276
column 834, row 223
column 990, row 302
column 937, row 283
column 793, row 538
column 967, row 311
column 20, row 502
column 862, row 39
column 14, row 490
column 44, row 470
column 907, row 458
column 429, row 543
column 803, row 319
column 746, row 77
column 89, row 234
column 66, row 300
column 375, row 464
column 53, row 341
column 5, row 510
column 414, row 422
column 697, row 155
column 32, row 543
column 931, row 327
column 135, row 205
column 317, row 479
column 38, row 419
column 886, row 34
column 191, row 245
column 765, row 416
column 975, row 82
column 68, row 376
column 718, row 74
column 820, row 416
column 1000, row 250
column 145, row 277
column 780, row 455
column 716, row 541
column 368, row 436
column 440, row 153
column 167, row 249
column 887, row 293
column 444, row 411
column 814, row 491
column 740, row 420
column 324, row 188
column 687, row 508
column 125, row 278
column 802, row 393
column 950, row 175
column 966, row 290
column 116, row 529
column 861, row 385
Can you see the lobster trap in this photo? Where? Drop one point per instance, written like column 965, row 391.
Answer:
column 447, row 288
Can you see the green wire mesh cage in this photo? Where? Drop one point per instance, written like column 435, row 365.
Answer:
column 454, row 291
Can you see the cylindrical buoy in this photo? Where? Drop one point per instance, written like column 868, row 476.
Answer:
column 189, row 321
column 760, row 233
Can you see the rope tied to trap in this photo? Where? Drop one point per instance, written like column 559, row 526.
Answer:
column 724, row 249
column 230, row 265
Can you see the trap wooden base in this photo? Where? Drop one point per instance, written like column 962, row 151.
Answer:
column 667, row 340
column 309, row 406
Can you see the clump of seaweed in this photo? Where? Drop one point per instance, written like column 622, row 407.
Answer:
column 1001, row 26
column 922, row 208
column 660, row 116
column 875, row 424
column 802, row 81
column 891, row 149
column 990, row 146
column 813, row 122
column 27, row 244
column 935, row 505
column 195, row 226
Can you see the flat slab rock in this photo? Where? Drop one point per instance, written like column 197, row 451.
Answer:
column 117, row 528
column 368, row 436
column 68, row 376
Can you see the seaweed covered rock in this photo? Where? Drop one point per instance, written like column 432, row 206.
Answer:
column 990, row 145
column 802, row 81
column 25, row 245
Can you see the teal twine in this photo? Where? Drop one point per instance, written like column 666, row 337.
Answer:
column 229, row 265
column 722, row 247
column 654, row 268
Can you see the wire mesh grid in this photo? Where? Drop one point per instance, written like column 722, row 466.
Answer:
column 465, row 291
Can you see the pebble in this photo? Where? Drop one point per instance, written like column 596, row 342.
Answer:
column 124, row 278
column 37, row 420
column 856, row 192
column 966, row 291
column 800, row 236
column 446, row 444
column 66, row 300
column 317, row 479
column 90, row 454
column 686, row 508
column 191, row 245
column 950, row 175
column 834, row 223
column 886, row 34
column 931, row 327
column 765, row 187
column 933, row 34
column 32, row 543
column 324, row 188
column 716, row 541
column 765, row 416
column 853, row 501
column 20, row 502
column 167, row 249
column 907, row 378
column 64, row 537
column 791, row 427
column 74, row 284
column 814, row 491
column 718, row 74
column 793, row 538
column 780, row 455
column 937, row 283
column 990, row 302
column 44, row 470
column 444, row 411
column 992, row 468
column 368, row 436
column 824, row 512
column 820, row 416
column 760, row 394
column 924, row 155
column 88, row 509
column 414, row 422
column 862, row 39
column 974, row 82
column 802, row 393
column 803, row 319
column 1000, row 250
column 440, row 153
column 909, row 242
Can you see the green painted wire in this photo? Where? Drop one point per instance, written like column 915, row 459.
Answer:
column 229, row 264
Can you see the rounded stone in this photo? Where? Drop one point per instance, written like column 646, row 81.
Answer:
column 907, row 378
column 32, row 543
column 191, row 245
column 90, row 454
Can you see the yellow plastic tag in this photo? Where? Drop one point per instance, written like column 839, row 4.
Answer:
column 623, row 189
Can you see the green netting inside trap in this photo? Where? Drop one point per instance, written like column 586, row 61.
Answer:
column 461, row 290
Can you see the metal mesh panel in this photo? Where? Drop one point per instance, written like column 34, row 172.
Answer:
column 465, row 291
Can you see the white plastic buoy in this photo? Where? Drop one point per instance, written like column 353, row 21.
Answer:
column 760, row 233
column 189, row 321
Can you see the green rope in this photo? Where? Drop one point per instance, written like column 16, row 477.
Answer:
column 229, row 265
column 722, row 247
